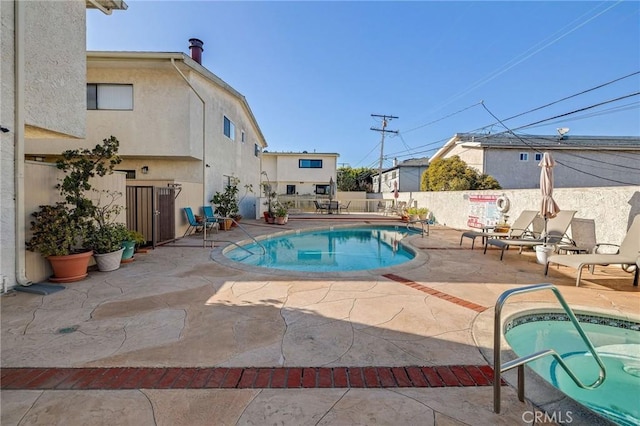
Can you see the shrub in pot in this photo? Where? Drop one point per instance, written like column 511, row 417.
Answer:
column 134, row 239
column 60, row 230
column 226, row 203
column 104, row 235
column 57, row 235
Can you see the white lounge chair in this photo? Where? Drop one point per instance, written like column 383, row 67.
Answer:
column 628, row 254
column 518, row 229
column 556, row 233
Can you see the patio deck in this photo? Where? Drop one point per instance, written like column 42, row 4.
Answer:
column 184, row 336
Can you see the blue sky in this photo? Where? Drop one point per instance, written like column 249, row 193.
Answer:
column 314, row 72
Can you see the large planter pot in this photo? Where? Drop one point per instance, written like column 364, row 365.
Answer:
column 129, row 248
column 108, row 261
column 542, row 253
column 69, row 268
column 280, row 220
column 225, row 224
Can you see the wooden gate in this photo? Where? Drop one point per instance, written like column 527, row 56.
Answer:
column 151, row 211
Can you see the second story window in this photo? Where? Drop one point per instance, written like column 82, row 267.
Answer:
column 538, row 156
column 524, row 156
column 256, row 150
column 310, row 164
column 229, row 128
column 242, row 137
column 110, row 96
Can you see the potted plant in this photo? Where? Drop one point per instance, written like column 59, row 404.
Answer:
column 132, row 240
column 281, row 214
column 60, row 230
column 413, row 214
column 422, row 213
column 271, row 196
column 226, row 204
column 57, row 235
column 105, row 235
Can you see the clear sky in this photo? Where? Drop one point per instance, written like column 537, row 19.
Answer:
column 314, row 72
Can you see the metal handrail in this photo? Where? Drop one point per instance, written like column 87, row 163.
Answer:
column 264, row 250
column 499, row 368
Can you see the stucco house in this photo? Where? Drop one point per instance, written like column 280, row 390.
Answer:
column 299, row 173
column 405, row 174
column 582, row 161
column 43, row 91
column 184, row 134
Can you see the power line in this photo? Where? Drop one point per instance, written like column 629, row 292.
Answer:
column 559, row 162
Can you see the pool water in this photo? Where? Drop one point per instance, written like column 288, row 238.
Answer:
column 617, row 342
column 329, row 250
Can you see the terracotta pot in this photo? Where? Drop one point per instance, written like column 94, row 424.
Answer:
column 225, row 224
column 70, row 268
column 280, row 220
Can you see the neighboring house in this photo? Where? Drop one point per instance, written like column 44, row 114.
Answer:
column 299, row 173
column 582, row 161
column 183, row 132
column 43, row 92
column 406, row 174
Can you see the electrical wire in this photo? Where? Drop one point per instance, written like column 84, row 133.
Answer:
column 559, row 162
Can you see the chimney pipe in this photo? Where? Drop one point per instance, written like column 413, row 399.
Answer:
column 195, row 45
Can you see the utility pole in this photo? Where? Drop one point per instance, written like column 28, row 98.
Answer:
column 383, row 131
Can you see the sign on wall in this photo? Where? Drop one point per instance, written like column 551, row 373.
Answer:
column 483, row 211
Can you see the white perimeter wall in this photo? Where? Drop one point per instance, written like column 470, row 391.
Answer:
column 612, row 208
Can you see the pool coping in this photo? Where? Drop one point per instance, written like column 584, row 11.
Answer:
column 420, row 256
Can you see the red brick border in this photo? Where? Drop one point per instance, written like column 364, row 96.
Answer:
column 118, row 378
column 433, row 292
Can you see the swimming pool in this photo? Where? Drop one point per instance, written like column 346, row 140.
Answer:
column 617, row 342
column 328, row 250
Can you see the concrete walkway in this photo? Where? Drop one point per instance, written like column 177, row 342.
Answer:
column 184, row 336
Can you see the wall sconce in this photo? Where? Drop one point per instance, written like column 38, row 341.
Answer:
column 145, row 170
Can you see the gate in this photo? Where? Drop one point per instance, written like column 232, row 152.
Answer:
column 151, row 211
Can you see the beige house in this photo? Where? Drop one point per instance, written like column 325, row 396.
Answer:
column 582, row 161
column 299, row 173
column 180, row 128
column 43, row 92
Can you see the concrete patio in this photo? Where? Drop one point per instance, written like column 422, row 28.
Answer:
column 183, row 336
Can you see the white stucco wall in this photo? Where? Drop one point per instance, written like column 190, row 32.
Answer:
column 7, row 116
column 55, row 67
column 612, row 208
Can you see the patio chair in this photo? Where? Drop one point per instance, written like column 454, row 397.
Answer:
column 556, row 233
column 344, row 207
column 583, row 237
column 320, row 207
column 194, row 224
column 210, row 218
column 628, row 254
column 519, row 228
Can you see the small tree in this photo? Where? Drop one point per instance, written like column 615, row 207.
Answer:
column 453, row 174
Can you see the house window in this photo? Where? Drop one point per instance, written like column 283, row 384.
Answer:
column 110, row 96
column 131, row 174
column 524, row 156
column 242, row 137
column 393, row 174
column 322, row 189
column 229, row 129
column 256, row 150
column 310, row 164
column 291, row 189
column 538, row 156
column 386, row 178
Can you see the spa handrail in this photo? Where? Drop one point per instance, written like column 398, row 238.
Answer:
column 499, row 368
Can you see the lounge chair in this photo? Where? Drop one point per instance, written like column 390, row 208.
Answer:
column 583, row 237
column 628, row 254
column 556, row 233
column 194, row 225
column 518, row 230
column 344, row 207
